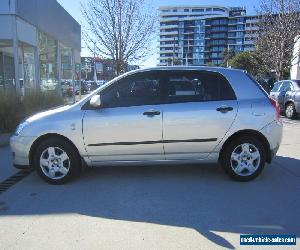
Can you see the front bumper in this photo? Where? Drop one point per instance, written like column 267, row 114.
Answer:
column 20, row 147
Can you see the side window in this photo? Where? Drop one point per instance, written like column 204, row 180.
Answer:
column 195, row 86
column 291, row 87
column 136, row 90
column 285, row 86
column 276, row 87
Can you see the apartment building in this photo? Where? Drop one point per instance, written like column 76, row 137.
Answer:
column 198, row 35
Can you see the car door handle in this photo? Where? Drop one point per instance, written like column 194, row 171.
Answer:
column 224, row 109
column 151, row 113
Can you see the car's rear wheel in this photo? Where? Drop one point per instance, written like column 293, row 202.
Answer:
column 56, row 161
column 290, row 111
column 244, row 158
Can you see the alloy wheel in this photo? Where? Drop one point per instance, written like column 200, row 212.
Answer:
column 245, row 159
column 55, row 163
column 289, row 111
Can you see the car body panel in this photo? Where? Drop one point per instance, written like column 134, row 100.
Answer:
column 123, row 134
column 192, row 130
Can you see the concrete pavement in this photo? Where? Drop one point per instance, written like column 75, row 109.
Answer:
column 164, row 207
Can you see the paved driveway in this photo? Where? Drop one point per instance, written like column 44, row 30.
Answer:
column 182, row 207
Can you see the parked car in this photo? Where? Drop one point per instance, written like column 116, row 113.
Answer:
column 287, row 93
column 84, row 87
column 64, row 88
column 163, row 115
column 93, row 85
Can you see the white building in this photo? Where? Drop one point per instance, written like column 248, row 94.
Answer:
column 295, row 69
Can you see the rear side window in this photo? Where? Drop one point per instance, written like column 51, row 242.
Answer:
column 195, row 86
column 276, row 87
column 286, row 86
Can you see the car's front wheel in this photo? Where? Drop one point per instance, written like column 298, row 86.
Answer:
column 290, row 111
column 244, row 158
column 56, row 160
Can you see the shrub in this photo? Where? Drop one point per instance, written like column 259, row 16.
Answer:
column 11, row 111
column 36, row 101
column 13, row 108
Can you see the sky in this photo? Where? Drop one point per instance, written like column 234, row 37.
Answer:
column 73, row 7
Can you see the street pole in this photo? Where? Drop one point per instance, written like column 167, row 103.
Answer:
column 227, row 61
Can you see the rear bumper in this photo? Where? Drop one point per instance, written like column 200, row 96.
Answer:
column 273, row 133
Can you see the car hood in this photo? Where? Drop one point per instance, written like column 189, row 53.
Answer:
column 48, row 113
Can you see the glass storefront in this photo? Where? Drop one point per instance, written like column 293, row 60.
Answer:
column 48, row 62
column 66, row 73
column 7, row 66
column 50, row 65
column 28, row 67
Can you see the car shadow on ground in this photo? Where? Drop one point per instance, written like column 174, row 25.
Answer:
column 197, row 197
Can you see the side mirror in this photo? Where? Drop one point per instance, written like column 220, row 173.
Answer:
column 95, row 101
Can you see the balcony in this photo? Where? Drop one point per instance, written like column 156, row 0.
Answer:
column 172, row 26
column 166, row 33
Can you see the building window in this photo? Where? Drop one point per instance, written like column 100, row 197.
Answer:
column 240, row 27
column 239, row 34
column 28, row 64
column 48, row 62
column 218, row 9
column 66, row 63
column 197, row 10
column 7, row 66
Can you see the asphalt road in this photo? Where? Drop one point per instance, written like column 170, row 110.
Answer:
column 182, row 207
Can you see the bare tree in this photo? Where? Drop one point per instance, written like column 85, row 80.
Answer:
column 121, row 30
column 279, row 28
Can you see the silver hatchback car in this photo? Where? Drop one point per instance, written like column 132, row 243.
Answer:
column 163, row 115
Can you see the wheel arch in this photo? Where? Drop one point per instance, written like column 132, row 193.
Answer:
column 288, row 102
column 252, row 133
column 37, row 142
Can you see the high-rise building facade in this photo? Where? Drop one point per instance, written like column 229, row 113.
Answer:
column 198, row 35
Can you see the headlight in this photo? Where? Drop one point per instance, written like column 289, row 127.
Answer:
column 20, row 128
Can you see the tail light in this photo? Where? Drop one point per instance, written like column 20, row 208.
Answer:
column 275, row 104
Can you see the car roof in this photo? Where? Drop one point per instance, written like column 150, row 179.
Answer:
column 205, row 68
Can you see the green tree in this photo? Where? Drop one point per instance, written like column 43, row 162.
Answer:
column 249, row 61
column 227, row 55
column 174, row 61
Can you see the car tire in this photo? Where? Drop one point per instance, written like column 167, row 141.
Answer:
column 290, row 111
column 56, row 161
column 244, row 158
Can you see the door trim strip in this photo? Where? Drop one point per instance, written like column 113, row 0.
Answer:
column 151, row 142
